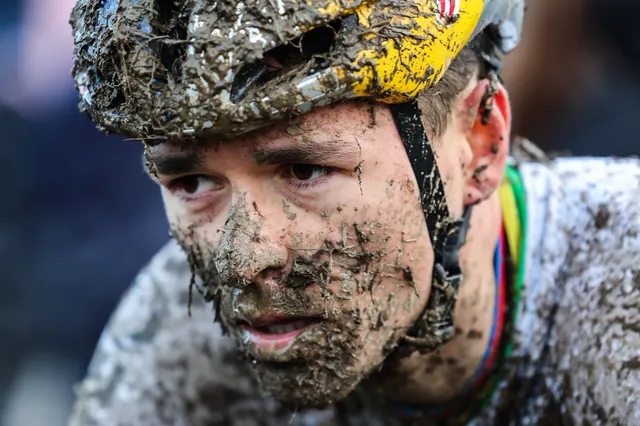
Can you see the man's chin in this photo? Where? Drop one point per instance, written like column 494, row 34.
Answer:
column 305, row 386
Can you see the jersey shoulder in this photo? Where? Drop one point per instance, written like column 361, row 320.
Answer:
column 585, row 248
column 593, row 201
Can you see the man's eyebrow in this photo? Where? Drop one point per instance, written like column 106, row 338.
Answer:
column 307, row 153
column 174, row 163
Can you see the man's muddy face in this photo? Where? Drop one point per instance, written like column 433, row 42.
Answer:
column 310, row 239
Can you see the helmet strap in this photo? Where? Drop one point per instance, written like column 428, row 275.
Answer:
column 435, row 325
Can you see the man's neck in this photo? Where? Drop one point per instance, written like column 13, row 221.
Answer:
column 447, row 373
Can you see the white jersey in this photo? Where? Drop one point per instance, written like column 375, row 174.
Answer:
column 577, row 343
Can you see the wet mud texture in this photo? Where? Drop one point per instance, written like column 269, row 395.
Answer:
column 157, row 69
column 320, row 367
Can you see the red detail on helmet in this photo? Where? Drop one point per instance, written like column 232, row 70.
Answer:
column 449, row 8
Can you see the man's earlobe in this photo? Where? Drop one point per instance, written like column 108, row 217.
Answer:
column 487, row 121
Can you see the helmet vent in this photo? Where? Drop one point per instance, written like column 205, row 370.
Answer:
column 170, row 25
column 303, row 55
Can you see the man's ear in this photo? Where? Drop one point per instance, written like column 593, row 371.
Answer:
column 488, row 126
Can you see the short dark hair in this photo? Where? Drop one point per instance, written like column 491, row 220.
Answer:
column 436, row 103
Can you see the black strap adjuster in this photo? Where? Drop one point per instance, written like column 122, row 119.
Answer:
column 435, row 325
column 447, row 282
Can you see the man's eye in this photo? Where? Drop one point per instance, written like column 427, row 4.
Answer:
column 308, row 171
column 194, row 185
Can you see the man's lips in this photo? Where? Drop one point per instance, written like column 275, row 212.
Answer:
column 274, row 334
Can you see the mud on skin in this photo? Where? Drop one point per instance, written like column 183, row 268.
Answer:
column 324, row 282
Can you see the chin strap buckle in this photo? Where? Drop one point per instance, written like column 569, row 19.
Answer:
column 446, row 282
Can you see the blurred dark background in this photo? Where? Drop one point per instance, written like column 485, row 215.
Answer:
column 573, row 80
column 79, row 218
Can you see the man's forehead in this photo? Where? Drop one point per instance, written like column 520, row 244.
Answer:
column 336, row 127
column 334, row 122
column 169, row 148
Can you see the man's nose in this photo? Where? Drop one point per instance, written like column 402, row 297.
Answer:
column 252, row 243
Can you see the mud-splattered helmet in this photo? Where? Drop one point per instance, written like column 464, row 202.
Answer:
column 175, row 69
column 178, row 68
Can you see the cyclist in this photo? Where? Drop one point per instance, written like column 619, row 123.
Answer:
column 335, row 175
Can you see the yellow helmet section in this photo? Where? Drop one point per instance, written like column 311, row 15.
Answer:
column 336, row 8
column 218, row 82
column 404, row 66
